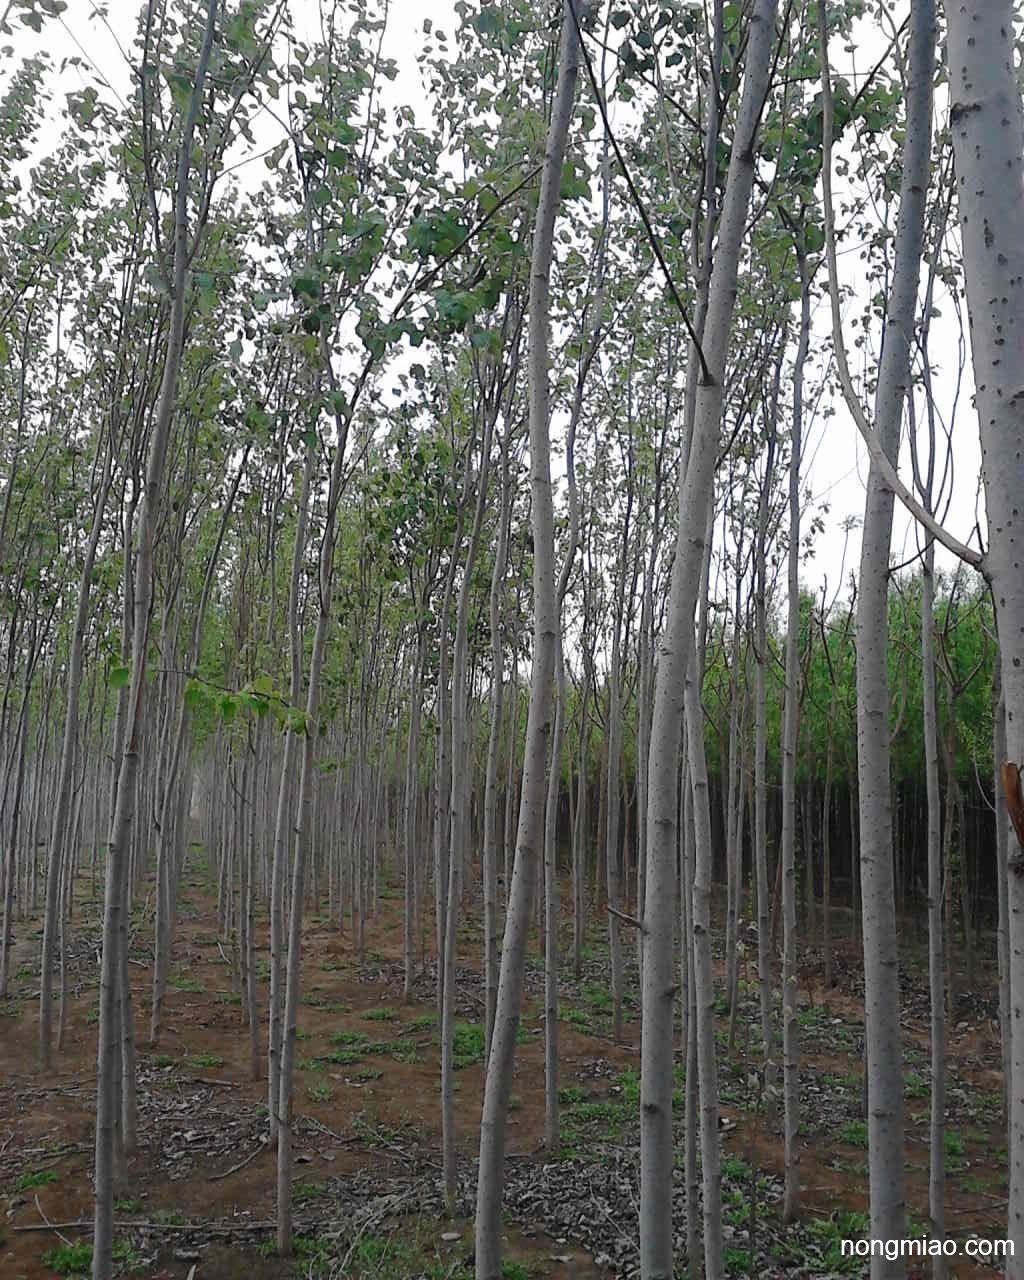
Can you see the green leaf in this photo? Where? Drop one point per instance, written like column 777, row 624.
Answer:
column 195, row 695
column 487, row 22
column 228, row 706
column 309, row 438
column 119, row 677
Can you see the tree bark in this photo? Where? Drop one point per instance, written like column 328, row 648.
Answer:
column 884, row 1073
column 790, row 740
column 675, row 650
column 986, row 124
column 109, row 1052
column 530, row 836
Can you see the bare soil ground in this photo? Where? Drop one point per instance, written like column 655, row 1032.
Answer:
column 197, row 1200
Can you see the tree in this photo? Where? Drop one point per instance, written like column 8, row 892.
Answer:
column 882, row 1023
column 675, row 651
column 986, row 124
column 530, row 835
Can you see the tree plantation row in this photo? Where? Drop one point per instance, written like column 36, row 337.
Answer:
column 405, row 430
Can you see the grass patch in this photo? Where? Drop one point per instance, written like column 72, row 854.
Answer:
column 404, row 1053
column 953, row 1149
column 38, row 1178
column 467, row 1044
column 349, row 1037
column 629, row 1082
column 812, row 1017
column 599, row 998
column 185, row 984
column 737, row 1261
column 855, row 1134
column 206, row 1060
column 321, row 1093
column 341, row 1057
column 735, row 1168
column 69, row 1259
column 374, row 1253
column 831, row 1232
column 76, row 1259
column 380, row 1015
column 303, row 1192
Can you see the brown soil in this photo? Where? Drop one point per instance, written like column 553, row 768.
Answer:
column 46, row 1123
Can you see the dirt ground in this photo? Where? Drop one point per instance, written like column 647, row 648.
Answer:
column 367, row 1092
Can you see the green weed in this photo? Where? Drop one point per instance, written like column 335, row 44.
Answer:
column 185, row 984
column 305, row 1191
column 69, row 1259
column 735, row 1168
column 855, row 1134
column 349, row 1037
column 380, row 1015
column 206, row 1060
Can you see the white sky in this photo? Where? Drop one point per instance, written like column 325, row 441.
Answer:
column 836, row 459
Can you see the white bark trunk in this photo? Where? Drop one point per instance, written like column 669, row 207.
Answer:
column 790, row 739
column 987, row 127
column 936, row 964
column 109, row 1053
column 529, row 840
column 675, row 649
column 884, row 1074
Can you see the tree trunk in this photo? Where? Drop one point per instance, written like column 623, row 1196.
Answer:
column 58, row 832
column 530, row 836
column 109, row 1053
column 676, row 647
column 986, row 125
column 790, row 739
column 551, row 915
column 282, row 841
column 930, row 729
column 458, row 819
column 490, row 853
